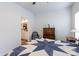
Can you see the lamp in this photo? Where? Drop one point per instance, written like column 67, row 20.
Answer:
column 76, row 33
column 73, row 31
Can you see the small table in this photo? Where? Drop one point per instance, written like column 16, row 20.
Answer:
column 71, row 38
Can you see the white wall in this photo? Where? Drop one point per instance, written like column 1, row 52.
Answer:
column 10, row 17
column 61, row 20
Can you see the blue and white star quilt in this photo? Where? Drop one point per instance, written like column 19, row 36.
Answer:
column 46, row 47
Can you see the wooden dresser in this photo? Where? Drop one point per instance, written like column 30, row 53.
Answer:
column 49, row 33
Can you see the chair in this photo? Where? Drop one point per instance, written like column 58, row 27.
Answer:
column 35, row 35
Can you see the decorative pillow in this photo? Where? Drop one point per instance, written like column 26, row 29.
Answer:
column 17, row 50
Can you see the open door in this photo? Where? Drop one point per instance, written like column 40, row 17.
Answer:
column 24, row 30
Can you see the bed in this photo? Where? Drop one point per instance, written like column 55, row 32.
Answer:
column 46, row 47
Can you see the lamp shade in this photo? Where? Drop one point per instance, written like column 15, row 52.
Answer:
column 73, row 30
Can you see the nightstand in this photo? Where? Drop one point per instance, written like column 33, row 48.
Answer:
column 71, row 39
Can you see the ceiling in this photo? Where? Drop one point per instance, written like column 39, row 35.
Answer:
column 44, row 6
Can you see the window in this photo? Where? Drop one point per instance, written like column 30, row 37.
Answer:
column 77, row 25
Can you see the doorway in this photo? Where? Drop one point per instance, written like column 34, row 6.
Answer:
column 24, row 30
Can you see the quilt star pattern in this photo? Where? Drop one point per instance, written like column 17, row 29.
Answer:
column 46, row 47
